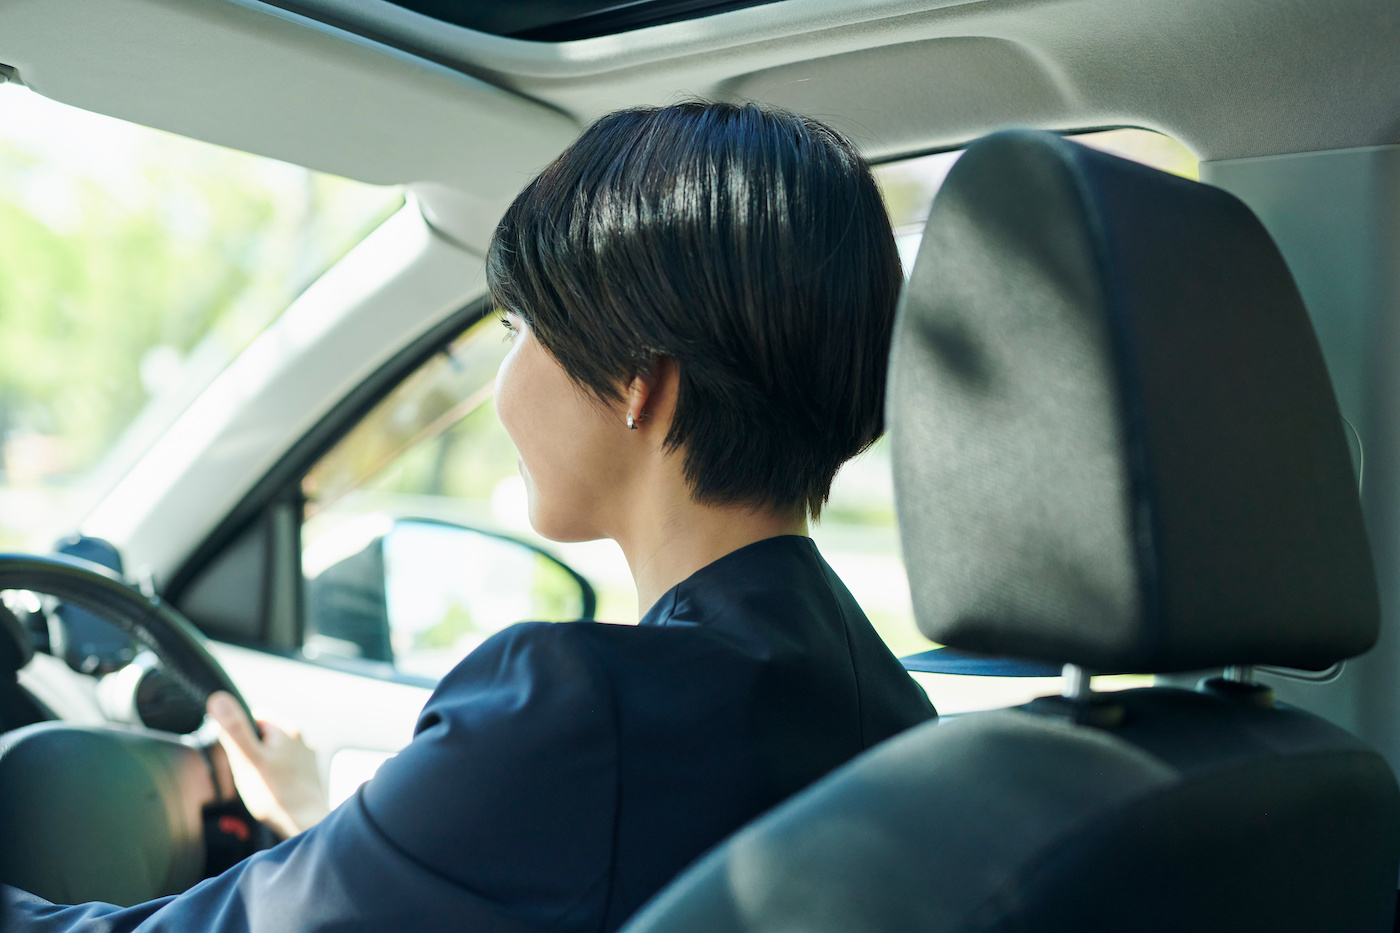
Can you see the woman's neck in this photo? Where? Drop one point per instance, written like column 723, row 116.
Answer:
column 671, row 537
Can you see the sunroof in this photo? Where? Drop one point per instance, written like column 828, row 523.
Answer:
column 563, row 20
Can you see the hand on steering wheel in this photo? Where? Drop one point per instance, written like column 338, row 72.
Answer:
column 276, row 775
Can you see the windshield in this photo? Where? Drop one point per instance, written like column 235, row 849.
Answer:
column 134, row 265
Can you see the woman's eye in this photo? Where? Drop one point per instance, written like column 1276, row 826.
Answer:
column 510, row 328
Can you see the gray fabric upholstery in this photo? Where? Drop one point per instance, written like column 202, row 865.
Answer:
column 1115, row 443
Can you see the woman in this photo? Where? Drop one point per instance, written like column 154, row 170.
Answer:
column 699, row 300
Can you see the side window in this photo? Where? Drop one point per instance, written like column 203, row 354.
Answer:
column 411, row 554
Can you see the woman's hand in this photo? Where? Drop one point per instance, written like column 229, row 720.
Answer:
column 276, row 775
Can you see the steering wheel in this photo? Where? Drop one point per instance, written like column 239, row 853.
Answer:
column 153, row 623
column 110, row 812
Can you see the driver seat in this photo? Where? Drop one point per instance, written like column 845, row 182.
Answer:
column 1116, row 448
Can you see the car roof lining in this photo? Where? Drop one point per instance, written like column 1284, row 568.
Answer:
column 370, row 90
column 1183, row 68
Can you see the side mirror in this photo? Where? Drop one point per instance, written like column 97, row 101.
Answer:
column 421, row 593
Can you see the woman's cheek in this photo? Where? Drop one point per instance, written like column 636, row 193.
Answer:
column 505, row 396
column 525, row 423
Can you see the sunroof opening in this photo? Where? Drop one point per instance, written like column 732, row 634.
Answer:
column 565, row 20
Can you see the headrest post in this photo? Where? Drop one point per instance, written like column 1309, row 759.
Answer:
column 1237, row 684
column 1076, row 683
column 1239, row 673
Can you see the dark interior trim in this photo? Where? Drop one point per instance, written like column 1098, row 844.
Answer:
column 624, row 17
column 323, row 435
column 537, row 21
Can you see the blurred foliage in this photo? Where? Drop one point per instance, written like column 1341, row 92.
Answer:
column 456, row 622
column 466, row 461
column 554, row 593
column 435, row 434
column 134, row 265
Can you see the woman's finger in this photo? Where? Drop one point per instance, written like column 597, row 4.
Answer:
column 269, row 726
column 235, row 723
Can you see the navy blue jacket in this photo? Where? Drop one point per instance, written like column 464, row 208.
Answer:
column 563, row 773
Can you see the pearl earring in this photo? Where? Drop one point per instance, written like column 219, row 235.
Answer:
column 631, row 422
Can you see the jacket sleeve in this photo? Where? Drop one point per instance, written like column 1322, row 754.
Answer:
column 498, row 816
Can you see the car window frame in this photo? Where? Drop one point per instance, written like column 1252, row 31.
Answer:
column 272, row 508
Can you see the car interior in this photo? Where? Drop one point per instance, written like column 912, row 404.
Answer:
column 1050, row 339
column 1141, row 436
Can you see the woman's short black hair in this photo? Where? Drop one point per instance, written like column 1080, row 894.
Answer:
column 751, row 245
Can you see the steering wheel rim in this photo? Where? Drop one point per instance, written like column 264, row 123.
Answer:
column 152, row 622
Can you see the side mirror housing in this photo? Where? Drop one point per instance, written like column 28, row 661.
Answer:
column 423, row 593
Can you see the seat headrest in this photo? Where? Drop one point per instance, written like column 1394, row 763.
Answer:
column 1115, row 442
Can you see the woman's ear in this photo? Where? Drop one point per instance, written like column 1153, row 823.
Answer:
column 651, row 396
